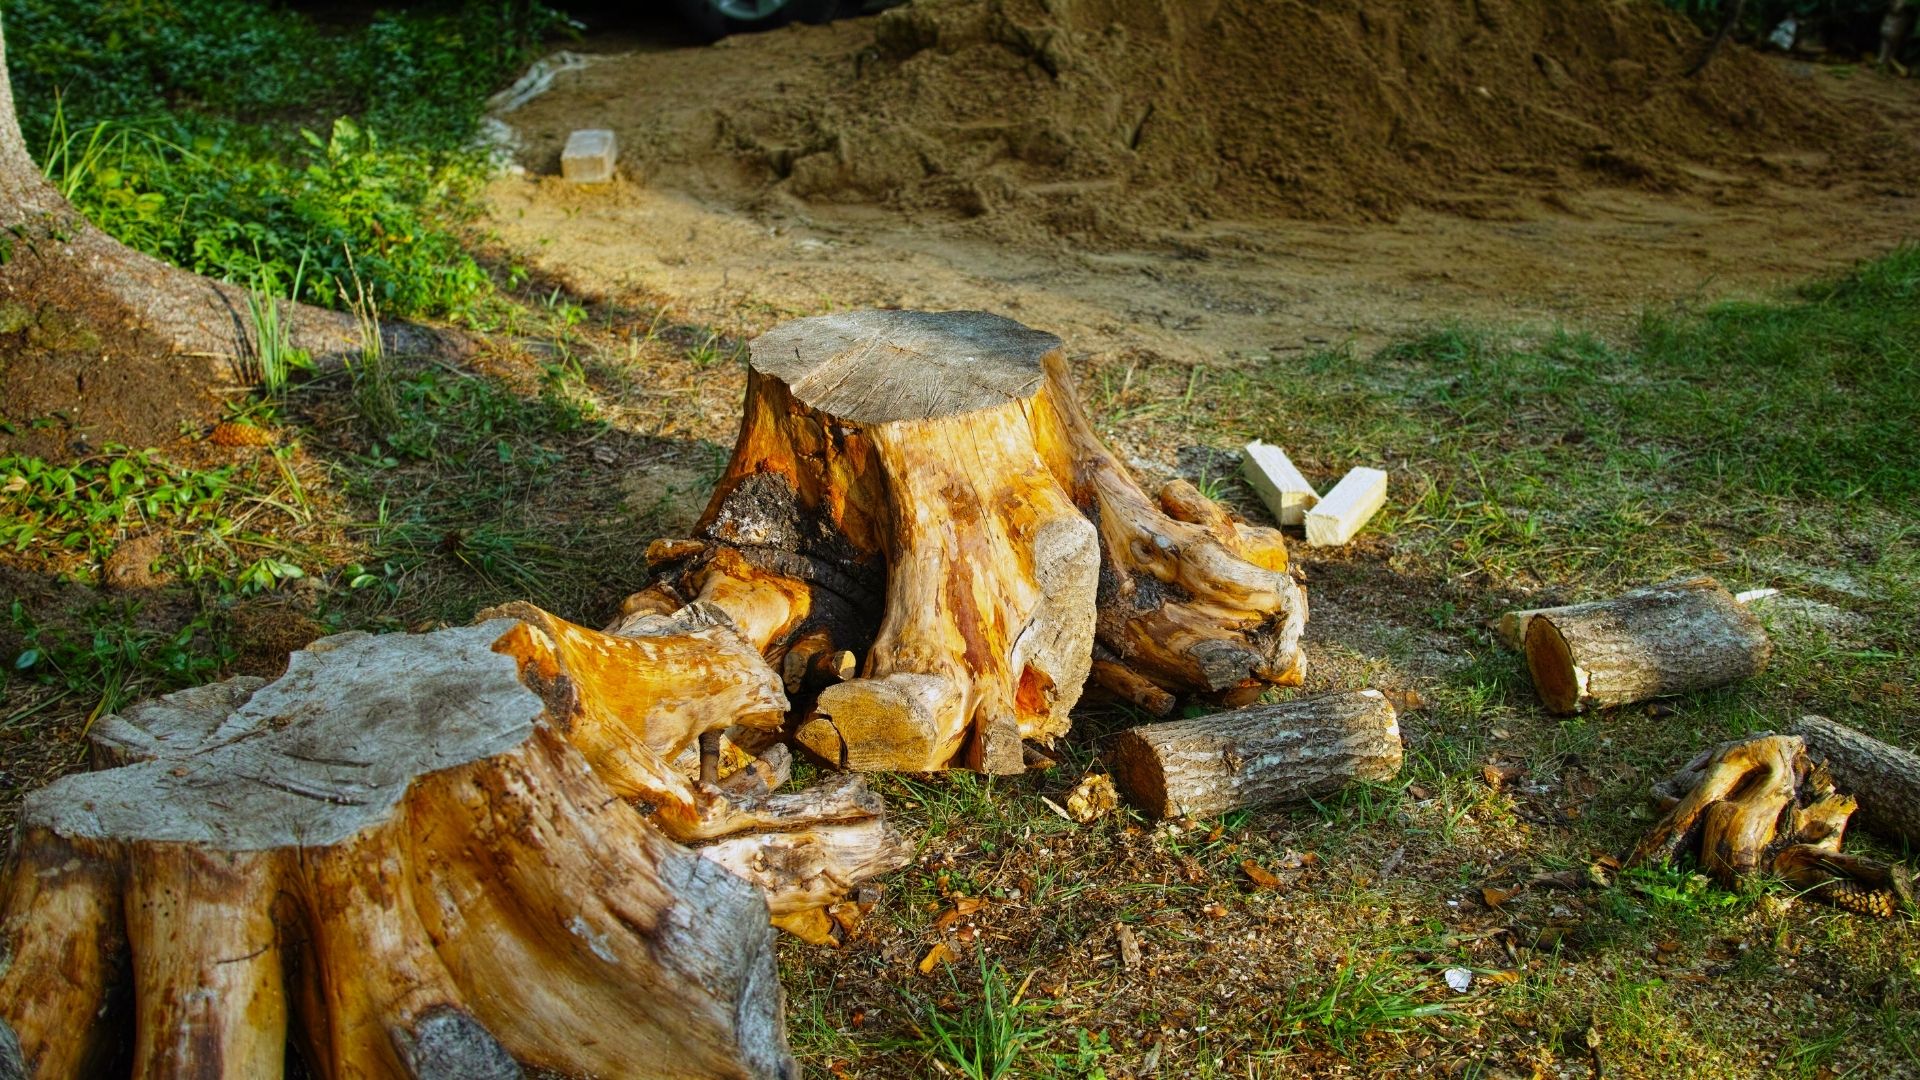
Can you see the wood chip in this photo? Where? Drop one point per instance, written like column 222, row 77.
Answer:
column 1129, row 945
column 1258, row 875
column 1092, row 798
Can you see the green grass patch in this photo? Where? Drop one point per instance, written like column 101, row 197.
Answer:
column 248, row 143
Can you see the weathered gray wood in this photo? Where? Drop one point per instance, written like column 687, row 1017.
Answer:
column 1665, row 639
column 876, row 367
column 1883, row 778
column 1249, row 757
column 406, row 816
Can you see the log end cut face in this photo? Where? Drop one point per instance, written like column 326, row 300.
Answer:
column 878, row 367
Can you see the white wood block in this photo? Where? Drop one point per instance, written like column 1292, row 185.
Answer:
column 1353, row 501
column 589, row 157
column 1280, row 485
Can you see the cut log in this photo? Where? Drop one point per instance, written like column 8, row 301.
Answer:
column 1755, row 805
column 921, row 492
column 1280, row 486
column 1347, row 508
column 1654, row 642
column 1884, row 778
column 395, row 851
column 1249, row 757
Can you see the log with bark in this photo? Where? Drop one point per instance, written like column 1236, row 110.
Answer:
column 921, row 494
column 1249, row 757
column 1885, row 779
column 412, row 852
column 1758, row 805
column 1654, row 642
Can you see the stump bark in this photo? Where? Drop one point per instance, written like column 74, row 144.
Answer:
column 1275, row 753
column 1757, row 805
column 411, row 850
column 1884, row 779
column 1654, row 642
column 920, row 495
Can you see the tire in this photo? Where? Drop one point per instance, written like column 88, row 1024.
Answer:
column 715, row 19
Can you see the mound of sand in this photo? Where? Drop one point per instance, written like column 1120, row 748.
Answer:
column 1104, row 120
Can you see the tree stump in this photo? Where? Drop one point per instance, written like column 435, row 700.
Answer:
column 1274, row 753
column 1653, row 642
column 414, row 849
column 922, row 492
column 1756, row 805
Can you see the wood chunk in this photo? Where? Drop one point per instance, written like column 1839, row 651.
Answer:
column 1280, row 486
column 1884, row 778
column 1249, row 757
column 1350, row 505
column 590, row 156
column 1658, row 641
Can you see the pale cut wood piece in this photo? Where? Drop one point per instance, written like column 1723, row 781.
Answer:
column 1343, row 511
column 1658, row 641
column 590, row 156
column 403, row 818
column 1285, row 492
column 1250, row 757
column 1884, row 778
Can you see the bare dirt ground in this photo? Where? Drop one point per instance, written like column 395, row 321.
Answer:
column 697, row 220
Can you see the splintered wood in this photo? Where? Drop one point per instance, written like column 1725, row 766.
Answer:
column 1351, row 504
column 919, row 497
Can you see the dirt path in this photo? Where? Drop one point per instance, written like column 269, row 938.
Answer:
column 700, row 223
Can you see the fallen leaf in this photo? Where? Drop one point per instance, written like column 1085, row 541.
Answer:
column 1214, row 910
column 1258, row 875
column 1499, row 773
column 1129, row 945
column 1405, row 701
column 1502, row 978
column 1294, row 860
column 939, row 954
column 1493, row 897
column 1092, row 798
column 967, row 905
column 1419, row 793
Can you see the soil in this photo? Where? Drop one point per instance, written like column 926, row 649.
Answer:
column 1199, row 179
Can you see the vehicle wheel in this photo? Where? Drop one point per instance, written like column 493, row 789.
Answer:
column 716, row 19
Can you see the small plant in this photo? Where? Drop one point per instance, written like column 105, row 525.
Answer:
column 985, row 1039
column 1355, row 1002
column 274, row 359
column 373, row 383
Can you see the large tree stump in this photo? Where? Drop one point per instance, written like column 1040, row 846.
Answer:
column 1250, row 757
column 414, row 849
column 1653, row 642
column 1756, row 805
column 1884, row 778
column 922, row 493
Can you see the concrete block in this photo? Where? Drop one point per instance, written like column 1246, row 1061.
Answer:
column 589, row 157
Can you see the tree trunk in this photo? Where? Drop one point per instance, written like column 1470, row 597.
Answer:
column 1653, row 642
column 1755, row 805
column 413, row 849
column 921, row 491
column 1885, row 779
column 50, row 256
column 1274, row 753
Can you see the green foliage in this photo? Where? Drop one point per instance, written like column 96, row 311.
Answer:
column 986, row 1038
column 119, row 659
column 190, row 130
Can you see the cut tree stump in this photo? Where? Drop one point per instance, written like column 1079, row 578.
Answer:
column 411, row 850
column 1756, row 805
column 1249, row 757
column 1654, row 642
column 921, row 494
column 1884, row 778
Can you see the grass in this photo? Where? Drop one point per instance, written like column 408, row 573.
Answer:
column 345, row 148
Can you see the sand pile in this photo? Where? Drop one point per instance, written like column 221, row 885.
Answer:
column 1106, row 119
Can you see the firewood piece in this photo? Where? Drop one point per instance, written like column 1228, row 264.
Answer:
column 1665, row 639
column 1189, row 609
column 1287, row 494
column 1249, row 757
column 394, row 850
column 1757, row 804
column 1347, row 508
column 1120, row 681
column 1884, row 778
